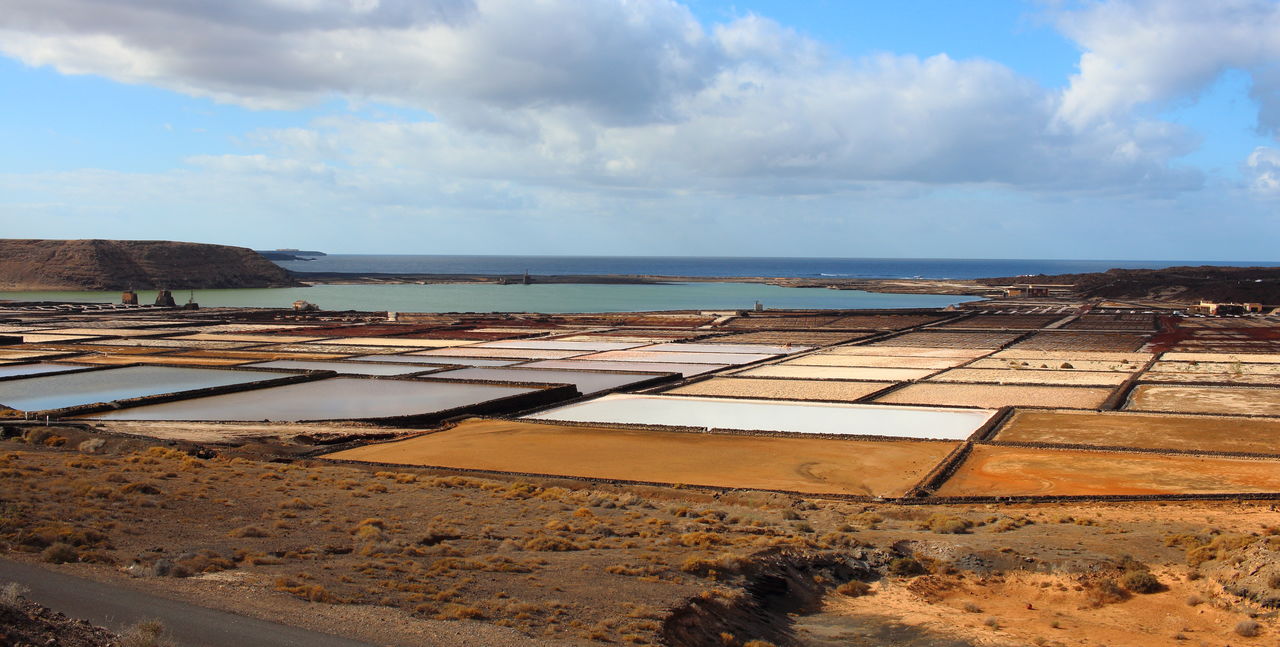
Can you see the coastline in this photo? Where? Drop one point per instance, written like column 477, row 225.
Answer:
column 957, row 287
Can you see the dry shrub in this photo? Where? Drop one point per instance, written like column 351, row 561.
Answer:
column 854, row 588
column 248, row 531
column 140, row 488
column 1142, row 582
column 710, row 567
column 452, row 611
column 91, row 446
column 906, row 567
column 1104, row 592
column 550, row 543
column 308, row 592
column 948, row 524
column 204, row 561
column 11, row 595
column 148, row 633
column 59, row 553
column 1248, row 628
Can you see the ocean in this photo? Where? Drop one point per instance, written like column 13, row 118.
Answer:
column 553, row 298
column 858, row 268
column 559, row 297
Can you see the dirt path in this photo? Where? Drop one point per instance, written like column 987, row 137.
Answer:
column 191, row 626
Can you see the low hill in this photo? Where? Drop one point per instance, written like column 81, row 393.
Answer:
column 33, row 264
column 1185, row 284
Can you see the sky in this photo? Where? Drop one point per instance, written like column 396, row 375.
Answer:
column 1109, row 129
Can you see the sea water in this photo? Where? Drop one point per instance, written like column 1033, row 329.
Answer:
column 546, row 298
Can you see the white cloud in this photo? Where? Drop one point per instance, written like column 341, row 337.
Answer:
column 1263, row 170
column 1141, row 52
column 615, row 93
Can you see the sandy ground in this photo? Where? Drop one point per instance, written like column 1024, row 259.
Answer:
column 1021, row 471
column 1030, row 608
column 1205, row 399
column 1145, row 431
column 837, row 372
column 1067, row 377
column 994, row 396
column 745, row 387
column 811, row 465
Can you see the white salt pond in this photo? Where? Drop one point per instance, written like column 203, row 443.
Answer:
column 774, row 415
column 678, row 358
column 686, row 370
column 435, row 361
column 339, row 398
column 347, row 368
column 36, row 369
column 588, row 382
column 768, row 349
column 561, row 344
column 56, row 390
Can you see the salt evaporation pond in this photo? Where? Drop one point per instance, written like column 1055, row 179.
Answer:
column 36, row 369
column 678, row 358
column 773, row 415
column 339, row 398
column 347, row 368
column 769, row 349
column 586, row 381
column 435, row 361
column 558, row 344
column 54, row 391
column 649, row 367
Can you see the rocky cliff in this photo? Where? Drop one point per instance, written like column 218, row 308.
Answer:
column 140, row 264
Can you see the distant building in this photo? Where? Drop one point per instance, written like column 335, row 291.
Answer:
column 305, row 306
column 129, row 298
column 164, row 298
column 1027, row 290
column 1214, row 309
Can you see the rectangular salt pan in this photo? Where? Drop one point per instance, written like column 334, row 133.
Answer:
column 561, row 344
column 332, row 399
column 435, row 361
column 774, row 415
column 55, row 391
column 587, row 382
column 36, row 369
column 686, row 370
column 348, row 368
column 768, row 349
column 514, row 353
column 678, row 358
